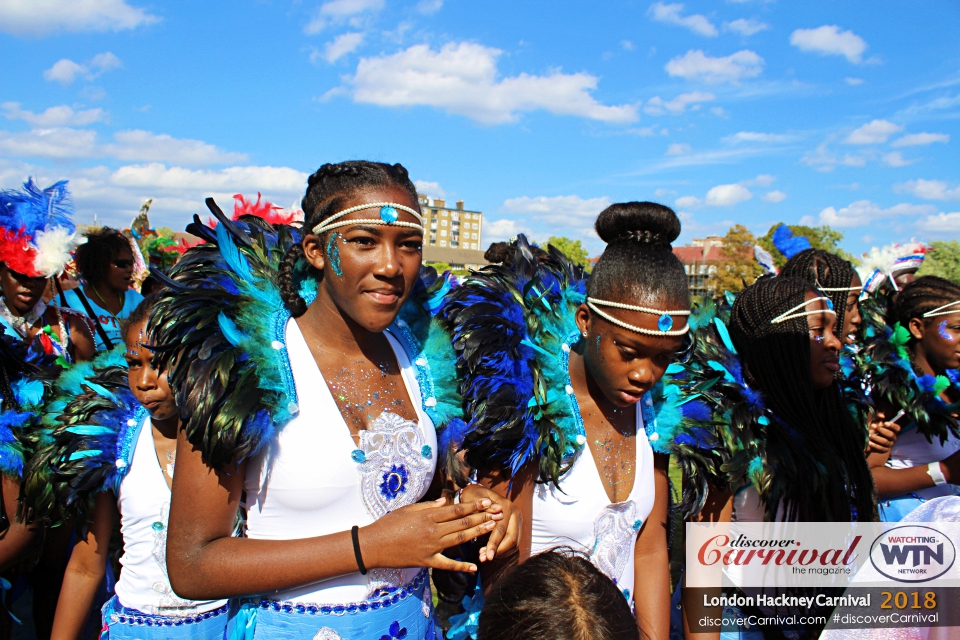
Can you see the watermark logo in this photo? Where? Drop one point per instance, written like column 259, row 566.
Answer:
column 912, row 553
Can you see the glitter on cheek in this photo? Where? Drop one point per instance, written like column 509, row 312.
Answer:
column 598, row 343
column 817, row 339
column 333, row 253
column 942, row 330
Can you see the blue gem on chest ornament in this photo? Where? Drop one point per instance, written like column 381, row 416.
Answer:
column 394, row 482
column 388, row 214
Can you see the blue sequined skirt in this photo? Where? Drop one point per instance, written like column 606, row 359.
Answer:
column 124, row 623
column 405, row 614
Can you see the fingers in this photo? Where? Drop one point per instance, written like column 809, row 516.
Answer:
column 457, row 511
column 465, row 535
column 444, row 563
column 429, row 504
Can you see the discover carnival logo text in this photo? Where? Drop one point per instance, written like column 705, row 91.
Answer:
column 744, row 552
column 912, row 553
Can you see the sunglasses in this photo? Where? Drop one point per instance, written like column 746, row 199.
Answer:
column 123, row 264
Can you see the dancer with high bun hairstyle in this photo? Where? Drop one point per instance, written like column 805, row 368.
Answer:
column 565, row 414
column 311, row 381
column 912, row 371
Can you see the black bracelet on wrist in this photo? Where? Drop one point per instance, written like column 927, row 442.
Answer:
column 354, row 533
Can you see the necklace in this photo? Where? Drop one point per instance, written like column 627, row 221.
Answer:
column 171, row 462
column 22, row 323
column 121, row 296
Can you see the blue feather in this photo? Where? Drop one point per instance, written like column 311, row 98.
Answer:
column 230, row 330
column 231, row 254
column 724, row 334
column 788, row 244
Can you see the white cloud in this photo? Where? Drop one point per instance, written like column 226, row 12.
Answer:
column 895, row 159
column 718, row 111
column 746, row 27
column 429, row 7
column 920, row 139
column 929, row 189
column 828, row 40
column 338, row 11
column 762, row 180
column 670, row 13
column 570, row 216
column 822, row 159
column 695, row 65
column 627, row 45
column 774, row 196
column 687, row 202
column 875, row 132
column 864, row 212
column 853, row 81
column 432, row 189
column 941, row 223
column 462, row 78
column 64, row 143
column 504, row 230
column 61, row 116
column 678, row 149
column 756, row 136
column 656, row 106
column 342, row 45
column 65, row 71
column 662, row 193
column 726, row 195
column 43, row 17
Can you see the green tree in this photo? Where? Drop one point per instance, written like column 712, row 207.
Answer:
column 737, row 264
column 822, row 237
column 943, row 259
column 573, row 249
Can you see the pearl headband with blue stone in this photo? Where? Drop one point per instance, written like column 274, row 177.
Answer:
column 389, row 214
column 665, row 322
column 794, row 312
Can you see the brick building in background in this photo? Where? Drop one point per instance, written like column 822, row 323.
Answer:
column 454, row 236
column 700, row 259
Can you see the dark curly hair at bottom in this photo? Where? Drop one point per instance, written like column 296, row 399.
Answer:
column 556, row 595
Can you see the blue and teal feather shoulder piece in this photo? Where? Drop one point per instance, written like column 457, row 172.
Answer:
column 721, row 442
column 28, row 375
column 87, row 431
column 513, row 328
column 887, row 371
column 219, row 332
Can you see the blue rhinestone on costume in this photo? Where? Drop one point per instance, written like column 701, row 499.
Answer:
column 358, row 456
column 394, row 482
column 426, row 451
column 388, row 214
column 665, row 323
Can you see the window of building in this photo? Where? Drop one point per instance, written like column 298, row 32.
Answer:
column 443, row 223
column 443, row 243
column 443, row 233
column 455, row 215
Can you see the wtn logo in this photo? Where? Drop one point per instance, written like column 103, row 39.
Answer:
column 912, row 553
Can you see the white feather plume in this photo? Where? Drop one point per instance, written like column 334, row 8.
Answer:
column 53, row 249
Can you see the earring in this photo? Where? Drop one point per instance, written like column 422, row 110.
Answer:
column 584, row 334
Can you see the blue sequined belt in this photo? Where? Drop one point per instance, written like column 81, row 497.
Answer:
column 372, row 604
column 119, row 622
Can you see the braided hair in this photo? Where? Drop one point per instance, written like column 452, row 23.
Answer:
column 327, row 189
column 923, row 295
column 638, row 264
column 814, row 438
column 825, row 270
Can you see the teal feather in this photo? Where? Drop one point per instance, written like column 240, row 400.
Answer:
column 230, row 330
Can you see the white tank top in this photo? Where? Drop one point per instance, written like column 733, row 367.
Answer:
column 144, row 503
column 912, row 449
column 313, row 480
column 580, row 515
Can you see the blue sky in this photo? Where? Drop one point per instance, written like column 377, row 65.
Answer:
column 537, row 113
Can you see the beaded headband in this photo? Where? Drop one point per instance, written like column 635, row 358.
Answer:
column 665, row 322
column 945, row 310
column 389, row 215
column 790, row 314
column 833, row 289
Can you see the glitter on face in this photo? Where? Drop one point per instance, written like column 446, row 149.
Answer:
column 138, row 345
column 817, row 338
column 598, row 344
column 942, row 330
column 333, row 253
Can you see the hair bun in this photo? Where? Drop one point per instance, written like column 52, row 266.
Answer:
column 646, row 222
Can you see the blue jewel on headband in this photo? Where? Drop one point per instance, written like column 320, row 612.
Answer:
column 388, row 214
column 665, row 323
column 829, row 303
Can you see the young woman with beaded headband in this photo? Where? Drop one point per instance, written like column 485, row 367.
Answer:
column 557, row 379
column 839, row 281
column 303, row 391
column 790, row 447
column 912, row 371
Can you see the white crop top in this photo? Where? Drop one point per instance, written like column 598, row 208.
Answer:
column 144, row 503
column 581, row 516
column 312, row 480
column 912, row 449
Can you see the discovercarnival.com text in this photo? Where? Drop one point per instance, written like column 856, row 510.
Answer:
column 746, row 622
